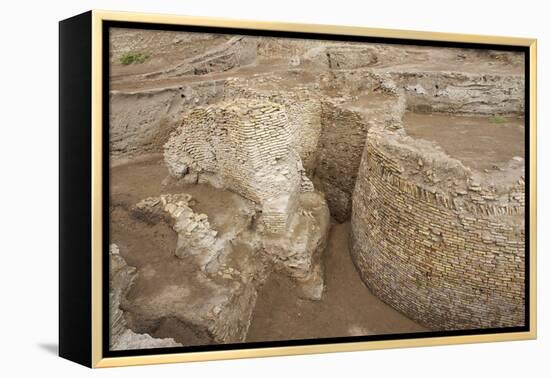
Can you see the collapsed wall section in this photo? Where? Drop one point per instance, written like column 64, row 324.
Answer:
column 434, row 243
column 213, row 283
column 121, row 278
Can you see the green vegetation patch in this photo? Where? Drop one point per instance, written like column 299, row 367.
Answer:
column 498, row 119
column 133, row 58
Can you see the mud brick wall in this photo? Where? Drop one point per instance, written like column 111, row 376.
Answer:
column 445, row 263
column 245, row 146
column 340, row 146
column 302, row 105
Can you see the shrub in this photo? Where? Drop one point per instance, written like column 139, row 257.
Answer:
column 498, row 119
column 133, row 58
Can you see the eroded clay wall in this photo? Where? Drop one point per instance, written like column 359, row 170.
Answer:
column 435, row 91
column 462, row 93
column 448, row 260
column 141, row 122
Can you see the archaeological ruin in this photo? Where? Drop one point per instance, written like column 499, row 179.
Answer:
column 270, row 188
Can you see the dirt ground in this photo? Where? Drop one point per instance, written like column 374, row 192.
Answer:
column 150, row 247
column 166, row 49
column 347, row 308
column 479, row 142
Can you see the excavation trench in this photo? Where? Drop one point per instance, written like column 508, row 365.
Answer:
column 425, row 209
column 347, row 306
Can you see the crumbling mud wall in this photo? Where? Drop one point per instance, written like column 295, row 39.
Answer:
column 436, row 242
column 429, row 91
column 299, row 96
column 245, row 146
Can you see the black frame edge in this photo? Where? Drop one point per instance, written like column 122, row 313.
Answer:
column 75, row 195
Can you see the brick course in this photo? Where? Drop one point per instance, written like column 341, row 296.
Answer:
column 447, row 263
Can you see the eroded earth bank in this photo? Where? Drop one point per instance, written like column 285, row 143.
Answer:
column 273, row 189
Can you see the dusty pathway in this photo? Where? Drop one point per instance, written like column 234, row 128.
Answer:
column 348, row 308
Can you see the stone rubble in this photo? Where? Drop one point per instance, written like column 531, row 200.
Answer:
column 221, row 291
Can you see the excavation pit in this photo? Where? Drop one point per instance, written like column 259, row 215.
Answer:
column 275, row 189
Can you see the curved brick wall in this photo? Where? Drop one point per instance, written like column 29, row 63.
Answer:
column 450, row 259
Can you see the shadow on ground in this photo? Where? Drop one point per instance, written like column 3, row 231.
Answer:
column 51, row 348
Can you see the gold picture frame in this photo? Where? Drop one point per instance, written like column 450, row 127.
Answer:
column 90, row 327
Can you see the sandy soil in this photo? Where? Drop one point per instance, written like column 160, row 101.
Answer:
column 347, row 308
column 150, row 247
column 479, row 142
